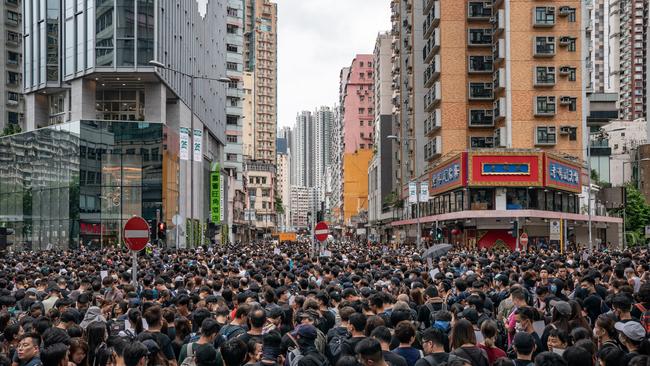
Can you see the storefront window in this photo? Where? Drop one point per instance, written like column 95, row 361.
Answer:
column 482, row 199
column 516, row 199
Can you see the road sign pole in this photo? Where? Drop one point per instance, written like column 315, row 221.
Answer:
column 134, row 269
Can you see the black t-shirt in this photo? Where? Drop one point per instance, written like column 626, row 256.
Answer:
column 394, row 359
column 162, row 340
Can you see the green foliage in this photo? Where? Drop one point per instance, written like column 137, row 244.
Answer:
column 279, row 207
column 11, row 129
column 595, row 179
column 637, row 215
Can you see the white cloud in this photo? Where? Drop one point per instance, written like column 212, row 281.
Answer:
column 316, row 38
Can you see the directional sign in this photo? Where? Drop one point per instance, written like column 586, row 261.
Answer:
column 136, row 233
column 523, row 239
column 321, row 231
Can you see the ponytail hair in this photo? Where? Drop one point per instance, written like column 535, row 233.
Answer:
column 489, row 331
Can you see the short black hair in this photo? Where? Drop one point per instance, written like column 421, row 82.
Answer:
column 52, row 355
column 577, row 356
column 434, row 335
column 358, row 321
column 369, row 348
column 134, row 352
column 233, row 352
column 549, row 359
column 382, row 334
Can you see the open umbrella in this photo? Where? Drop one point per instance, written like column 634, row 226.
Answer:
column 437, row 250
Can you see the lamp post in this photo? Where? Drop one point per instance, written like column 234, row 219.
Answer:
column 417, row 186
column 192, row 78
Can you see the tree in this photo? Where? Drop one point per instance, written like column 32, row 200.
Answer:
column 637, row 212
column 279, row 208
column 595, row 179
column 11, row 129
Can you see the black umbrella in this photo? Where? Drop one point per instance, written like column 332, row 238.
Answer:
column 437, row 250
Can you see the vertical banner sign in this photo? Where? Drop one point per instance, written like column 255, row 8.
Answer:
column 198, row 145
column 215, row 197
column 413, row 192
column 222, row 196
column 424, row 192
column 185, row 143
column 555, row 230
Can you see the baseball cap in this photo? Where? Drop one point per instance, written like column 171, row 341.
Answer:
column 562, row 307
column 307, row 331
column 633, row 330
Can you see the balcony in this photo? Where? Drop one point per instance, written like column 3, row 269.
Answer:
column 480, row 91
column 479, row 37
column 432, row 20
column 480, row 65
column 499, row 80
column 432, row 98
column 481, row 118
column 433, row 148
column 432, row 72
column 499, row 109
column 431, row 47
column 479, row 10
column 433, row 122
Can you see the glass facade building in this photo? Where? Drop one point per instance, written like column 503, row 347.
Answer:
column 79, row 182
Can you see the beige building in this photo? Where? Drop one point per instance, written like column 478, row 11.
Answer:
column 260, row 196
column 283, row 188
column 248, row 114
column 260, row 58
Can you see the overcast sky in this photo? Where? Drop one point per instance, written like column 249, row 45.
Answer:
column 316, row 38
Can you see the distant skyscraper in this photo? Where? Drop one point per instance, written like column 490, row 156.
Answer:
column 12, row 107
column 302, row 153
column 323, row 124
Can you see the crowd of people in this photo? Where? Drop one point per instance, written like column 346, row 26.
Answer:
column 263, row 304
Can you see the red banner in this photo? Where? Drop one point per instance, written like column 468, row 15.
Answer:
column 505, row 169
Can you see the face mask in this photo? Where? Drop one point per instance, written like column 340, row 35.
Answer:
column 595, row 333
column 559, row 351
column 519, row 327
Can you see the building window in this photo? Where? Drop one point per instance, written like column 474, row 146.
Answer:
column 480, row 91
column 232, row 48
column 478, row 142
column 13, row 118
column 480, row 64
column 232, row 66
column 480, row 118
column 12, row 16
column 13, row 97
column 544, row 75
column 231, row 29
column 231, row 138
column 13, row 78
column 479, row 37
column 544, row 16
column 545, row 135
column 545, row 106
column 13, row 58
column 544, row 46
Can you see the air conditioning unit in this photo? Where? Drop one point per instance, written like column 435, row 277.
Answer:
column 500, row 137
column 566, row 11
column 565, row 41
column 488, row 113
column 565, row 70
column 565, row 100
column 565, row 130
column 551, row 130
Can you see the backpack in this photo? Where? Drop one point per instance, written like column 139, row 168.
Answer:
column 433, row 362
column 645, row 317
column 334, row 347
column 293, row 357
column 318, row 359
column 232, row 331
column 190, row 359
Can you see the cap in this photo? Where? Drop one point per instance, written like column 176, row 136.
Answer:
column 562, row 307
column 306, row 331
column 633, row 330
column 523, row 341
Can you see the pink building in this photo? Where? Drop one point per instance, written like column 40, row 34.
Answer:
column 358, row 105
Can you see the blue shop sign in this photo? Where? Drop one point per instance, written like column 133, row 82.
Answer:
column 447, row 175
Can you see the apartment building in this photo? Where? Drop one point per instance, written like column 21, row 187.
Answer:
column 302, row 150
column 336, row 154
column 12, row 107
column 503, row 120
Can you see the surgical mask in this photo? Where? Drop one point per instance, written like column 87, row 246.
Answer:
column 559, row 351
column 519, row 327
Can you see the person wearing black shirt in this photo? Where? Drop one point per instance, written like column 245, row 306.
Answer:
column 382, row 334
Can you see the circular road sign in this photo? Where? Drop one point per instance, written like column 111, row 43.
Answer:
column 321, row 231
column 523, row 239
column 136, row 233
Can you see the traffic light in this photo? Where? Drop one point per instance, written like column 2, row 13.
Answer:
column 4, row 232
column 438, row 234
column 515, row 229
column 162, row 230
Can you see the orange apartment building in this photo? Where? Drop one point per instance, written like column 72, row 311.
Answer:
column 501, row 135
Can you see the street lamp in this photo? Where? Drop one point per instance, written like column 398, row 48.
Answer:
column 417, row 206
column 192, row 78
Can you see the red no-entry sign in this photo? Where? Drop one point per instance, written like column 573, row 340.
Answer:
column 321, row 231
column 136, row 233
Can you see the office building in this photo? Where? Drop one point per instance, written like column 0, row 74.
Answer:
column 323, row 124
column 302, row 150
column 503, row 122
column 598, row 38
column 12, row 106
column 120, row 136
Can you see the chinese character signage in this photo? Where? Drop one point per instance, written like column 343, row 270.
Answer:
column 215, row 196
column 424, row 192
column 198, row 145
column 562, row 175
column 413, row 192
column 505, row 169
column 185, row 143
column 446, row 177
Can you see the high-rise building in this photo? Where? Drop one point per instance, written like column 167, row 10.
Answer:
column 598, row 38
column 260, row 58
column 12, row 106
column 302, row 205
column 357, row 123
column 502, row 121
column 233, row 162
column 628, row 56
column 283, row 187
column 336, row 154
column 323, row 124
column 382, row 172
column 118, row 134
column 302, row 153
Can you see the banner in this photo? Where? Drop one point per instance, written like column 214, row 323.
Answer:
column 185, row 143
column 424, row 192
column 215, row 197
column 198, row 145
column 413, row 192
